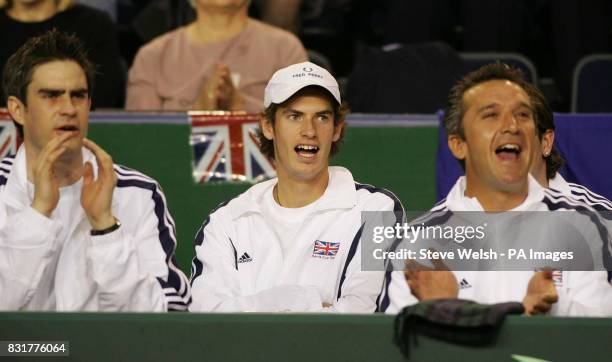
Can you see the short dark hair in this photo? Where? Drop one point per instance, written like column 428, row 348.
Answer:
column 51, row 46
column 543, row 116
column 544, row 119
column 340, row 110
column 453, row 115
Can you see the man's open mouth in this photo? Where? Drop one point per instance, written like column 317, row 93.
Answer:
column 68, row 128
column 508, row 151
column 306, row 150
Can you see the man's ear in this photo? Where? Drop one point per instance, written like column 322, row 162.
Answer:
column 548, row 139
column 16, row 109
column 338, row 131
column 267, row 128
column 457, row 146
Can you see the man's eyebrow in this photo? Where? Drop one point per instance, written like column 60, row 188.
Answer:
column 526, row 105
column 51, row 91
column 79, row 91
column 291, row 110
column 57, row 92
column 295, row 111
column 486, row 107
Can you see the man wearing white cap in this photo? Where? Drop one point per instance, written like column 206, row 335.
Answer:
column 293, row 243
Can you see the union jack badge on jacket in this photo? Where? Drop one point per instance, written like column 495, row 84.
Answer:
column 225, row 148
column 325, row 249
column 9, row 140
column 557, row 277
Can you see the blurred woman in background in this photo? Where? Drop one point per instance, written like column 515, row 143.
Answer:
column 220, row 61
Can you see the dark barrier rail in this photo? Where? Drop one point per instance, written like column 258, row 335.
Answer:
column 285, row 337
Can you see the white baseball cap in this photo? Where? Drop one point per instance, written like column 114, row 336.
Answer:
column 287, row 81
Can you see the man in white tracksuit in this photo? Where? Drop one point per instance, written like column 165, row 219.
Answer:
column 77, row 232
column 492, row 131
column 547, row 161
column 293, row 243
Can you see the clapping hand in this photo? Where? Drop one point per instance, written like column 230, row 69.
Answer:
column 97, row 195
column 541, row 293
column 431, row 283
column 219, row 91
column 46, row 185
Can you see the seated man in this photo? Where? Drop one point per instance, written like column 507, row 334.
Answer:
column 547, row 161
column 77, row 232
column 292, row 243
column 491, row 130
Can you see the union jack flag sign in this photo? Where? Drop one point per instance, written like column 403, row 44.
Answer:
column 325, row 248
column 9, row 141
column 225, row 148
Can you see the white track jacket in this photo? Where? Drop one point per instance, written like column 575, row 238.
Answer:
column 582, row 194
column 54, row 264
column 581, row 293
column 239, row 264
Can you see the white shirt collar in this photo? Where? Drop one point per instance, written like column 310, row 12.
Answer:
column 457, row 201
column 558, row 183
column 339, row 194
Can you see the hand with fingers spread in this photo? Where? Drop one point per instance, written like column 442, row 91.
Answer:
column 431, row 283
column 46, row 186
column 541, row 293
column 219, row 91
column 97, row 195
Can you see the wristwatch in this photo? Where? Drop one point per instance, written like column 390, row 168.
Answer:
column 108, row 230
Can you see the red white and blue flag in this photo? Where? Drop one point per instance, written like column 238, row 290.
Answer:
column 557, row 277
column 325, row 248
column 225, row 148
column 9, row 141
